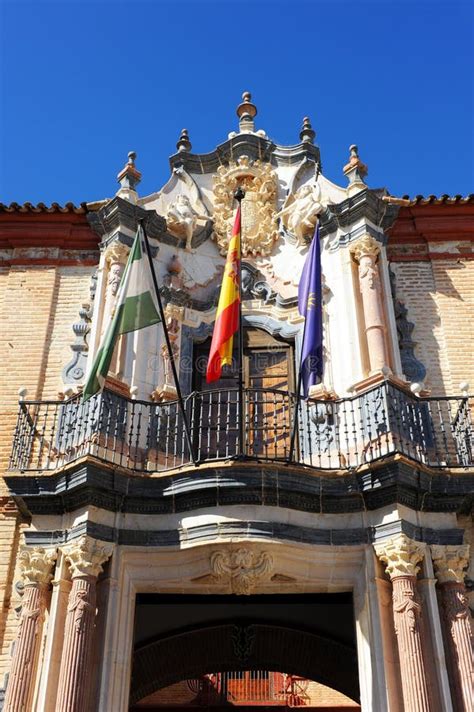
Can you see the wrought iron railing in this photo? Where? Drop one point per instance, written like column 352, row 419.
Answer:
column 250, row 687
column 331, row 435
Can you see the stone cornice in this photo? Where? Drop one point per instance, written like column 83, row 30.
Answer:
column 264, row 531
column 449, row 562
column 401, row 555
column 249, row 144
column 82, row 485
column 121, row 214
column 86, row 556
column 36, row 564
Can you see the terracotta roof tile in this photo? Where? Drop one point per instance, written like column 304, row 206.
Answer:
column 43, row 208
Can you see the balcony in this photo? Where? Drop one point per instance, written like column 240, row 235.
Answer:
column 341, row 434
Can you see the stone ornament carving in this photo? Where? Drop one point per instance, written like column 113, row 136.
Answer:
column 405, row 604
column 36, row 564
column 243, row 568
column 450, row 562
column 401, row 556
column 300, row 211
column 116, row 253
column 365, row 246
column 81, row 607
column 86, row 556
column 259, row 230
column 182, row 219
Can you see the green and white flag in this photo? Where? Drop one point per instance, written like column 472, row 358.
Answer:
column 136, row 307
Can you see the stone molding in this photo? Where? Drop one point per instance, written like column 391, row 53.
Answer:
column 401, row 556
column 450, row 562
column 366, row 245
column 36, row 563
column 86, row 556
column 242, row 568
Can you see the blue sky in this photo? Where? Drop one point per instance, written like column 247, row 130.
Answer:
column 82, row 83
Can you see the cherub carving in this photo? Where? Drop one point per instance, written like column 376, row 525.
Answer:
column 299, row 216
column 182, row 218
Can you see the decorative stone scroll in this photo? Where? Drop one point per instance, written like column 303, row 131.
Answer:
column 259, row 230
column 36, row 567
column 402, row 557
column 365, row 251
column 86, row 558
column 450, row 563
column 242, row 568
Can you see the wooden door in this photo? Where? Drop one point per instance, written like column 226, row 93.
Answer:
column 268, row 379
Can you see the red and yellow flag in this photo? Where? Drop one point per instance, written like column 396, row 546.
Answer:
column 227, row 316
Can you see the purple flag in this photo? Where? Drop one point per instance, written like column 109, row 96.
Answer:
column 310, row 306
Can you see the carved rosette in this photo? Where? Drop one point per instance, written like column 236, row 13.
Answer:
column 401, row 556
column 243, row 569
column 259, row 230
column 36, row 565
column 450, row 563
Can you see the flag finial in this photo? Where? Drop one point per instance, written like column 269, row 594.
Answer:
column 246, row 111
column 307, row 133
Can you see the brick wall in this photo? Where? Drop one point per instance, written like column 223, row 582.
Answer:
column 38, row 305
column 439, row 296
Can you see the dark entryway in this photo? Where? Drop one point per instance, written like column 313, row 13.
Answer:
column 221, row 640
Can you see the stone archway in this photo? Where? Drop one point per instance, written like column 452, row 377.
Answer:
column 230, row 646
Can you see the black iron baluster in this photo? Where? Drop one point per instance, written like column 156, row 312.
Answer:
column 443, row 433
column 346, row 435
column 354, row 432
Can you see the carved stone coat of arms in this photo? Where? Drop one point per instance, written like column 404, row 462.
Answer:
column 259, row 229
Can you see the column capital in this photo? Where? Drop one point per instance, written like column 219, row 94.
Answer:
column 86, row 556
column 449, row 562
column 36, row 564
column 365, row 246
column 116, row 253
column 401, row 555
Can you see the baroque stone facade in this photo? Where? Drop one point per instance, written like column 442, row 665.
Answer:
column 105, row 520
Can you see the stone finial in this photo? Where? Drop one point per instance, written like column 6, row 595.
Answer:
column 449, row 562
column 129, row 177
column 36, row 564
column 184, row 144
column 401, row 555
column 307, row 134
column 355, row 171
column 246, row 111
column 86, row 556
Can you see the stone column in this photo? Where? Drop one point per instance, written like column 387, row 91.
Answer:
column 449, row 564
column 86, row 558
column 401, row 556
column 366, row 250
column 36, row 568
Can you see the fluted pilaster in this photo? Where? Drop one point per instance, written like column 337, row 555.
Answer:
column 366, row 251
column 401, row 556
column 86, row 558
column 36, row 567
column 449, row 564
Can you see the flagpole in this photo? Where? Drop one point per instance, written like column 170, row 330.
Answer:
column 168, row 346
column 239, row 196
column 297, row 404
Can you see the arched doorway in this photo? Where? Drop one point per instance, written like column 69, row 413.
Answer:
column 248, row 661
